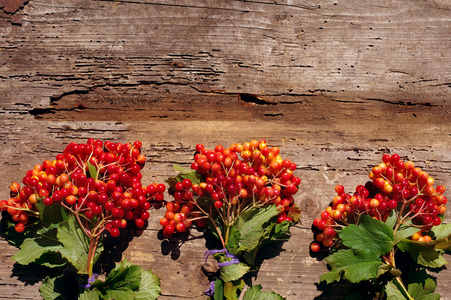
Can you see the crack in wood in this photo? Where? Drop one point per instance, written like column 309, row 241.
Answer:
column 404, row 103
column 254, row 99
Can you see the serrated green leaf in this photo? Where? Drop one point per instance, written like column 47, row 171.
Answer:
column 404, row 232
column 58, row 288
column 231, row 289
column 233, row 272
column 51, row 260
column 234, row 240
column 120, row 294
column 392, row 291
column 51, row 216
column 149, row 287
column 254, row 226
column 124, row 277
column 76, row 244
column 382, row 269
column 255, row 293
column 34, row 247
column 354, row 265
column 370, row 235
column 89, row 295
column 430, row 259
column 422, row 286
column 442, row 235
column 92, row 171
column 422, row 253
column 442, row 231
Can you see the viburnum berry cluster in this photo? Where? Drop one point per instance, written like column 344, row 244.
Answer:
column 395, row 185
column 99, row 182
column 244, row 195
column 396, row 216
column 233, row 180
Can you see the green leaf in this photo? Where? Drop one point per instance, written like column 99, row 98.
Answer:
column 249, row 256
column 392, row 218
column 442, row 235
column 354, row 265
column 34, row 247
column 92, row 171
column 184, row 174
column 14, row 237
column 51, row 216
column 234, row 240
column 254, row 226
column 281, row 231
column 76, row 244
column 92, row 294
column 392, row 291
column 370, row 235
column 383, row 268
column 218, row 293
column 233, row 272
column 51, row 260
column 231, row 289
column 122, row 281
column 180, row 169
column 404, row 232
column 423, row 253
column 442, row 231
column 58, row 288
column 431, row 259
column 255, row 293
column 149, row 287
column 422, row 286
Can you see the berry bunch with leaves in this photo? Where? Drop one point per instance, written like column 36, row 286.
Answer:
column 244, row 195
column 397, row 216
column 67, row 206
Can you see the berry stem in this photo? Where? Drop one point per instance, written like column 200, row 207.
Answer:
column 243, row 292
column 91, row 253
column 403, row 288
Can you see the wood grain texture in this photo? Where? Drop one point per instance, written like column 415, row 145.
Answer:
column 334, row 84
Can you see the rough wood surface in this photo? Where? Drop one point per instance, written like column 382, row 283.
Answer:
column 334, row 84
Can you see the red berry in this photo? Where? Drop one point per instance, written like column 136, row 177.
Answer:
column 315, row 247
column 168, row 231
column 180, row 227
column 139, row 223
column 19, row 227
column 115, row 232
column 47, row 201
column 164, row 222
column 436, row 221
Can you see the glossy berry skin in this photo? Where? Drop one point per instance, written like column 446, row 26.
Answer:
column 315, row 247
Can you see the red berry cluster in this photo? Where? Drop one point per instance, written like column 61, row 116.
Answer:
column 395, row 185
column 101, row 181
column 234, row 178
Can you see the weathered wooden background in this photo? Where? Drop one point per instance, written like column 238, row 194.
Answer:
column 335, row 84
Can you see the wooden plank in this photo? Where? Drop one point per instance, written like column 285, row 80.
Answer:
column 334, row 85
